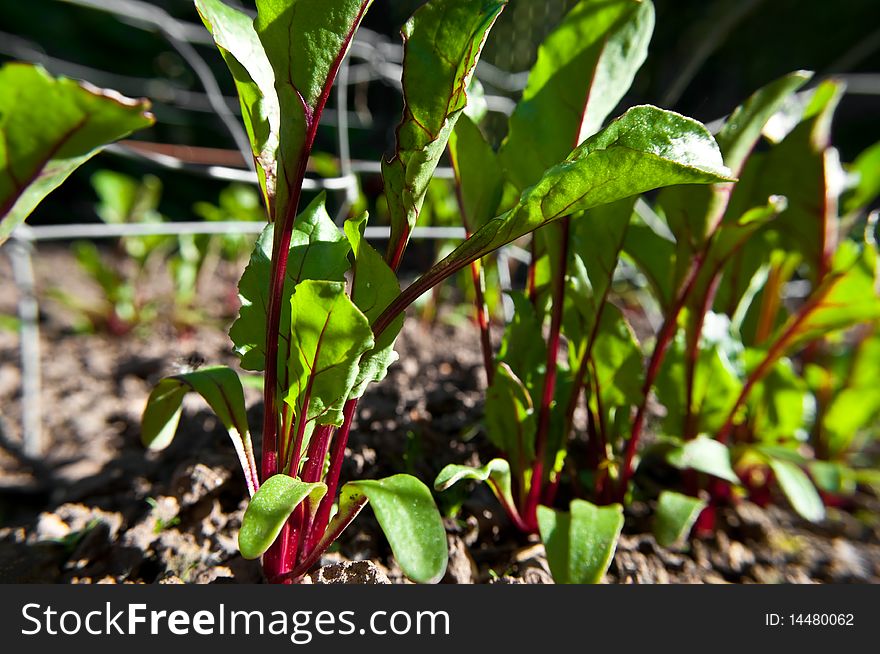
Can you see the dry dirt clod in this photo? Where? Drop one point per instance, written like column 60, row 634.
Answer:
column 349, row 572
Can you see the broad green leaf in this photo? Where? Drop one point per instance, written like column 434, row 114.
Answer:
column 655, row 258
column 703, row 455
column 510, row 418
column 318, row 250
column 373, row 286
column 855, row 406
column 595, row 248
column 220, row 387
column 48, row 128
column 442, row 44
column 616, row 362
column 716, row 386
column 237, row 40
column 644, row 149
column 867, row 188
column 743, row 128
column 328, row 335
column 583, row 69
column 799, row 490
column 674, row 517
column 270, row 508
column 305, row 42
column 496, row 473
column 410, row 520
column 694, row 214
column 477, row 173
column 847, row 296
column 581, row 543
column 523, row 348
column 777, row 405
column 806, row 170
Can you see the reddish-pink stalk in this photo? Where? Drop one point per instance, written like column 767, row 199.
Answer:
column 530, row 511
column 776, row 350
column 319, row 444
column 337, row 454
column 664, row 340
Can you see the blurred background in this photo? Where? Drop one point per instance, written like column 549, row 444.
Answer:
column 705, row 57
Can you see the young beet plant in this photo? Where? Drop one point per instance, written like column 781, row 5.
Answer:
column 717, row 258
column 583, row 70
column 761, row 375
column 321, row 308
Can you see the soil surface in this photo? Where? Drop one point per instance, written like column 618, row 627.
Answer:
column 98, row 508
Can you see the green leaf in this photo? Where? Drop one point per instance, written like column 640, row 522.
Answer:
column 777, row 405
column 442, row 44
column 716, row 386
column 318, row 250
column 240, row 46
column 867, row 189
column 798, row 489
column 855, row 406
column 655, row 258
column 477, row 173
column 48, row 128
column 220, row 387
column 806, row 170
column 511, row 421
column 703, row 455
column 270, row 508
column 523, row 348
column 743, row 128
column 616, row 363
column 595, row 249
column 675, row 516
column 374, row 285
column 695, row 214
column 583, row 70
column 496, row 473
column 847, row 296
column 305, row 42
column 329, row 334
column 580, row 544
column 407, row 514
column 644, row 149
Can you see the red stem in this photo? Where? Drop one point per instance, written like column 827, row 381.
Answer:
column 530, row 512
column 664, row 339
column 340, row 440
column 773, row 353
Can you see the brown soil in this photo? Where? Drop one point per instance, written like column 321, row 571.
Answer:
column 98, row 508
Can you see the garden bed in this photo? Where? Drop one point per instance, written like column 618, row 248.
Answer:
column 99, row 508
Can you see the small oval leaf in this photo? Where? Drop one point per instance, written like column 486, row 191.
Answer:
column 269, row 509
column 704, row 455
column 674, row 517
column 799, row 490
column 409, row 517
